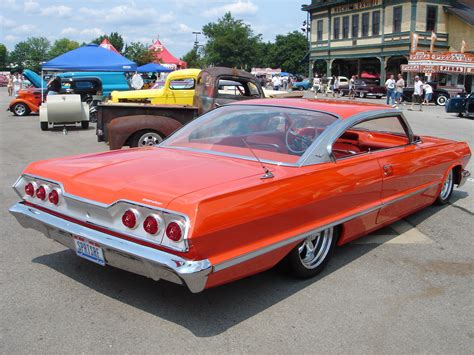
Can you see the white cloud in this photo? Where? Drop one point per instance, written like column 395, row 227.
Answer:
column 59, row 10
column 241, row 7
column 31, row 5
column 90, row 12
column 182, row 28
column 6, row 22
column 25, row 29
column 11, row 38
column 87, row 32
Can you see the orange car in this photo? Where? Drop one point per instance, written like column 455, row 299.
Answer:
column 27, row 101
column 241, row 189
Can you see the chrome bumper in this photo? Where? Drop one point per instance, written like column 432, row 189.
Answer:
column 465, row 174
column 119, row 253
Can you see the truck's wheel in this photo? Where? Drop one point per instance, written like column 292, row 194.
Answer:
column 84, row 124
column 20, row 109
column 441, row 100
column 146, row 138
column 44, row 126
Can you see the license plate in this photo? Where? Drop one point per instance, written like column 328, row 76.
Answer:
column 89, row 250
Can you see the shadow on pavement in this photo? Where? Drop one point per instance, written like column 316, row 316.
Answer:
column 213, row 311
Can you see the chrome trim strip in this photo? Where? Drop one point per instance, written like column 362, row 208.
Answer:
column 245, row 257
column 120, row 253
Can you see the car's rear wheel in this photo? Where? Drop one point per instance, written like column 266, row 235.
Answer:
column 44, row 126
column 441, row 100
column 446, row 189
column 146, row 138
column 310, row 257
column 361, row 95
column 20, row 109
column 84, row 124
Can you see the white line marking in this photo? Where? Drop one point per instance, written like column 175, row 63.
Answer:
column 400, row 232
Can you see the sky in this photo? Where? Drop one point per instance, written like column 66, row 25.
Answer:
column 173, row 21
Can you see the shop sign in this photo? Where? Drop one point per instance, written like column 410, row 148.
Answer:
column 450, row 69
column 360, row 5
column 412, row 68
column 457, row 57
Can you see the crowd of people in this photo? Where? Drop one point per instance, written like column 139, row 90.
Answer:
column 15, row 83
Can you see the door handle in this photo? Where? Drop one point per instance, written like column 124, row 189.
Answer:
column 387, row 170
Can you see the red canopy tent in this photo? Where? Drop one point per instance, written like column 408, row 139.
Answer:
column 107, row 45
column 165, row 58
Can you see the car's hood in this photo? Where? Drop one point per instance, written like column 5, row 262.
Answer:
column 136, row 94
column 153, row 176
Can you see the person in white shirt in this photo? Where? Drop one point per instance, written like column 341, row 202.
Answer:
column 316, row 84
column 276, row 82
column 417, row 93
column 390, row 86
column 428, row 93
column 17, row 84
column 400, row 84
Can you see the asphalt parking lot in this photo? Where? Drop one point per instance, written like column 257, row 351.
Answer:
column 407, row 288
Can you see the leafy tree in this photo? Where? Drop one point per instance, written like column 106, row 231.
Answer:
column 288, row 51
column 230, row 43
column 62, row 46
column 115, row 38
column 193, row 58
column 3, row 56
column 30, row 53
column 139, row 53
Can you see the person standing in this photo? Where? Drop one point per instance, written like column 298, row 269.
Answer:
column 17, row 82
column 316, row 85
column 324, row 82
column 335, row 89
column 352, row 92
column 390, row 86
column 428, row 93
column 399, row 85
column 417, row 93
column 276, row 82
column 10, row 84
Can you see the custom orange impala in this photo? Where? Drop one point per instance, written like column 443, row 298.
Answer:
column 242, row 188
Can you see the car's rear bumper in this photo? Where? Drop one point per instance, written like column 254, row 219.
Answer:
column 119, row 253
column 465, row 174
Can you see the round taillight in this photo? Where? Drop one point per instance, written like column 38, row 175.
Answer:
column 41, row 193
column 53, row 197
column 30, row 189
column 174, row 231
column 129, row 219
column 151, row 225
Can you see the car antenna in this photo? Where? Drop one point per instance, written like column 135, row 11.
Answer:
column 268, row 174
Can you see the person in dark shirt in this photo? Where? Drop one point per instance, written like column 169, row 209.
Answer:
column 54, row 86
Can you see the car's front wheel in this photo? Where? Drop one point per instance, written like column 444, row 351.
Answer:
column 310, row 257
column 446, row 189
column 44, row 126
column 84, row 124
column 20, row 109
column 441, row 100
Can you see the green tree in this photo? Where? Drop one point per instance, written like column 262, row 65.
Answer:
column 62, row 46
column 114, row 37
column 30, row 53
column 139, row 53
column 193, row 58
column 230, row 43
column 288, row 51
column 3, row 56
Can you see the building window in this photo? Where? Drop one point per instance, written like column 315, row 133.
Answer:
column 365, row 24
column 431, row 17
column 397, row 19
column 355, row 26
column 375, row 23
column 319, row 30
column 345, row 27
column 337, row 27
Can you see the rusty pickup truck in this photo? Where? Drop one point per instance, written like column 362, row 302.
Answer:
column 137, row 124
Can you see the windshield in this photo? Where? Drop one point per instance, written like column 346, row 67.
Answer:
column 273, row 134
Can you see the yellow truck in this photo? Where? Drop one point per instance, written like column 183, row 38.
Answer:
column 178, row 90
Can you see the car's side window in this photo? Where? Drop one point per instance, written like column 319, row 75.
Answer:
column 182, row 84
column 371, row 135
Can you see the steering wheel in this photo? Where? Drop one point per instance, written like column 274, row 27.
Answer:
column 295, row 142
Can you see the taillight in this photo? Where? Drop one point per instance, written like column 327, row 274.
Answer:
column 41, row 193
column 53, row 197
column 174, row 231
column 30, row 189
column 151, row 225
column 129, row 219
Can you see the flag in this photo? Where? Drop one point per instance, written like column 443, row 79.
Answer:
column 433, row 40
column 463, row 46
column 414, row 42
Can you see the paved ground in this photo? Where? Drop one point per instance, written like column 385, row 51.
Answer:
column 405, row 289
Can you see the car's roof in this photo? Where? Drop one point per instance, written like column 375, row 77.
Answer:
column 343, row 109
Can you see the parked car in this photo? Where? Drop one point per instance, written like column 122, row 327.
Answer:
column 439, row 97
column 365, row 88
column 138, row 124
column 463, row 105
column 26, row 102
column 241, row 189
column 302, row 85
column 111, row 81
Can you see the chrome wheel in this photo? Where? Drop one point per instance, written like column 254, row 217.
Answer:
column 315, row 248
column 149, row 139
column 447, row 187
column 20, row 110
column 441, row 100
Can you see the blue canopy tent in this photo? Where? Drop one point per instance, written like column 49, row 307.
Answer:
column 153, row 68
